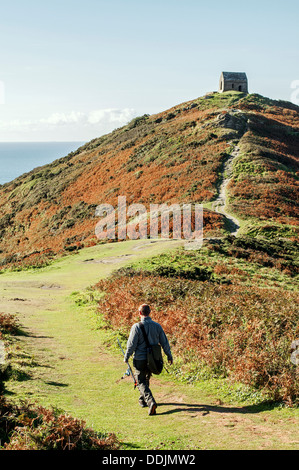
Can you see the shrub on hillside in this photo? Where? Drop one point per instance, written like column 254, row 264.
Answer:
column 8, row 324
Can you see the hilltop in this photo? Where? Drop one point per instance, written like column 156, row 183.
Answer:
column 178, row 155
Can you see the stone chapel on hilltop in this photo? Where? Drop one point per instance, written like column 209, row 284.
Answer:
column 233, row 81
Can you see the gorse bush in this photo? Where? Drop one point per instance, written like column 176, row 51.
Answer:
column 277, row 253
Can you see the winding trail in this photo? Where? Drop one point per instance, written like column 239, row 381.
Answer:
column 219, row 205
column 73, row 370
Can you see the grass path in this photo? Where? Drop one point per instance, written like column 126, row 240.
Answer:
column 73, row 369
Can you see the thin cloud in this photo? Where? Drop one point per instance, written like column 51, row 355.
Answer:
column 118, row 116
column 93, row 123
column 63, row 118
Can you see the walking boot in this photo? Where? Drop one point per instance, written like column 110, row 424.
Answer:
column 152, row 408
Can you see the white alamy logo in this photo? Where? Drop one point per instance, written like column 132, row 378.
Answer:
column 2, row 92
column 136, row 222
column 295, row 94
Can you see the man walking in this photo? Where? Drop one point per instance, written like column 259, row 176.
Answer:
column 137, row 345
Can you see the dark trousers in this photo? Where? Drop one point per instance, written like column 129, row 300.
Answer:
column 143, row 374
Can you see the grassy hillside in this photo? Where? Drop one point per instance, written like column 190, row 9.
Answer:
column 174, row 156
column 264, row 187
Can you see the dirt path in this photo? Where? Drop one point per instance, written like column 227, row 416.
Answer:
column 73, row 370
column 220, row 203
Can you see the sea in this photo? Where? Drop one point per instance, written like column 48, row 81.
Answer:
column 17, row 158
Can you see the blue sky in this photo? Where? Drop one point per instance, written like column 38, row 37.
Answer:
column 73, row 70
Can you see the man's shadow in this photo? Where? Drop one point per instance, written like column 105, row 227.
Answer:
column 206, row 409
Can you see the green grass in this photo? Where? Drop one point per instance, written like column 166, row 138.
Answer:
column 220, row 100
column 201, row 264
column 268, row 230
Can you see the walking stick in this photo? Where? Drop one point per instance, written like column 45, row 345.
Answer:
column 129, row 371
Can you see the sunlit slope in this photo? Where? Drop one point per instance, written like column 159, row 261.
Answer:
column 174, row 156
